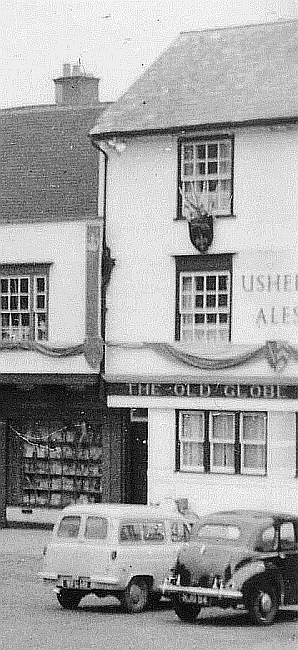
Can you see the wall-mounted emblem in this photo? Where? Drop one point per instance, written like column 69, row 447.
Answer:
column 200, row 221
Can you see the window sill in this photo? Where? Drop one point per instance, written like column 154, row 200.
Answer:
column 216, row 216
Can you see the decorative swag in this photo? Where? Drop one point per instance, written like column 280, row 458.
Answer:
column 277, row 353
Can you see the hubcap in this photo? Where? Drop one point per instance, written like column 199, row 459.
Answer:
column 135, row 593
column 265, row 602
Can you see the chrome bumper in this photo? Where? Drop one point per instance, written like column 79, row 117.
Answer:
column 168, row 589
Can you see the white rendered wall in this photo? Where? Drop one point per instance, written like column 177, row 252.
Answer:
column 211, row 492
column 144, row 236
column 64, row 245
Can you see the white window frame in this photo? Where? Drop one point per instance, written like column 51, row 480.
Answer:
column 221, row 469
column 33, row 330
column 194, row 440
column 211, row 333
column 200, row 181
column 257, row 443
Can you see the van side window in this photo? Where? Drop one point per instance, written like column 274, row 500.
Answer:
column 96, row 528
column 69, row 527
column 130, row 533
column 178, row 531
column 154, row 531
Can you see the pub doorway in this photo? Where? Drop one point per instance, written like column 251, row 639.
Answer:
column 138, row 443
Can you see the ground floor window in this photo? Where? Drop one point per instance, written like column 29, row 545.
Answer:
column 60, row 461
column 229, row 442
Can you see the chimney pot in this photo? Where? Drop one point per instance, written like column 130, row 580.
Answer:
column 66, row 70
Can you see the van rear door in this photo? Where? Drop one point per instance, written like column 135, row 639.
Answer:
column 61, row 556
column 94, row 549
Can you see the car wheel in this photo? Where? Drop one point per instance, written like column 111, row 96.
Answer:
column 262, row 603
column 68, row 599
column 135, row 597
column 186, row 612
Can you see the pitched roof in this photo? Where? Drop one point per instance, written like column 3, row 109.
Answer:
column 219, row 76
column 48, row 167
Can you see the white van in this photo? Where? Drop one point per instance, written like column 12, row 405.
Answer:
column 111, row 549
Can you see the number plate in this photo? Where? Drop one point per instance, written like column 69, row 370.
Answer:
column 68, row 582
column 192, row 599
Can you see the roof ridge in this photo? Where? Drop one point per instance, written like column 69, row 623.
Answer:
column 241, row 26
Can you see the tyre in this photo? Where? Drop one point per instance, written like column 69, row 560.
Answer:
column 69, row 599
column 135, row 597
column 187, row 612
column 262, row 603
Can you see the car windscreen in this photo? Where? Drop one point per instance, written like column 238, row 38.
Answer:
column 219, row 532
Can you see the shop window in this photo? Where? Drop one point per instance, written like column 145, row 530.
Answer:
column 24, row 302
column 203, row 301
column 222, row 442
column 206, row 175
column 61, row 462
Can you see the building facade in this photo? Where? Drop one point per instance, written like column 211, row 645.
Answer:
column 201, row 357
column 51, row 399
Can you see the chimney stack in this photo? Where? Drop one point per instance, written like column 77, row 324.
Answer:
column 75, row 87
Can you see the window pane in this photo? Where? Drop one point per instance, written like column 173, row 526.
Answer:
column 211, row 282
column 193, row 425
column 186, row 283
column 225, row 149
column 212, row 167
column 223, row 318
column 287, row 536
column 188, row 152
column 4, row 285
column 254, row 427
column 154, row 531
column 254, row 457
column 223, row 282
column 40, row 302
column 24, row 285
column 14, row 303
column 219, row 531
column 212, row 150
column 200, row 169
column 223, row 426
column 201, row 151
column 130, row 532
column 200, row 302
column 223, row 455
column 24, row 304
column 96, row 528
column 69, row 527
column 14, row 285
column 211, row 300
column 222, row 300
column 199, row 319
column 186, row 301
column 211, row 319
column 192, row 454
column 188, row 169
column 200, row 283
column 4, row 302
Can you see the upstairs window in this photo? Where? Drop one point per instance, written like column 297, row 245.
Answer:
column 206, row 173
column 205, row 307
column 203, row 299
column 24, row 303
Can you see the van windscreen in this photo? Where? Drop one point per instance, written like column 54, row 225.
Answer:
column 96, row 528
column 69, row 527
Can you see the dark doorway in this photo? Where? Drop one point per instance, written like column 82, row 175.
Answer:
column 138, row 461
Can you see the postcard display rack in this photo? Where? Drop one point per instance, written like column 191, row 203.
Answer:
column 63, row 467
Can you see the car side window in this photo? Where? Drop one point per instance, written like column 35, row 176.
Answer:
column 268, row 540
column 69, row 527
column 287, row 536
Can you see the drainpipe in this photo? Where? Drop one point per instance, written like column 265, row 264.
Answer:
column 105, row 252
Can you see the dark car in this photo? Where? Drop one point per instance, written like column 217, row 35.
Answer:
column 237, row 559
